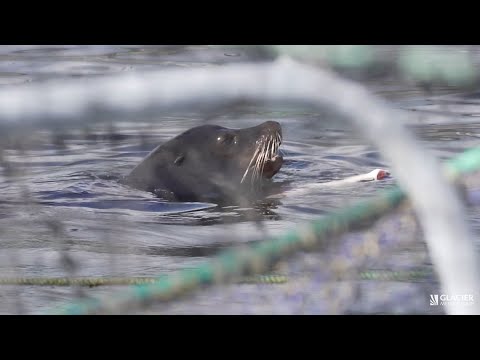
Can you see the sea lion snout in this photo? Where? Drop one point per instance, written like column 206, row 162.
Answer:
column 272, row 127
column 267, row 129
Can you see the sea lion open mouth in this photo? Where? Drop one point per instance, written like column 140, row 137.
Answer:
column 266, row 160
column 211, row 162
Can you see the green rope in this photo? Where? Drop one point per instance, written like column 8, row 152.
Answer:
column 263, row 279
column 91, row 282
column 464, row 163
column 385, row 275
column 104, row 281
column 390, row 275
column 258, row 258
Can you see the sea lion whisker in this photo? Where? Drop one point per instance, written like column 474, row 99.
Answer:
column 259, row 163
column 269, row 147
column 265, row 151
column 250, row 163
column 257, row 158
column 264, row 159
column 257, row 172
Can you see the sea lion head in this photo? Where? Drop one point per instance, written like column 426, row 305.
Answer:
column 212, row 161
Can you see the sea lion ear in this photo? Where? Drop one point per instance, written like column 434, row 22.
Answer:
column 179, row 160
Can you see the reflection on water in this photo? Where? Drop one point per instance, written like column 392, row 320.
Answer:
column 71, row 178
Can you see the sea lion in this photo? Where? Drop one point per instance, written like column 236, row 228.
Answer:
column 211, row 163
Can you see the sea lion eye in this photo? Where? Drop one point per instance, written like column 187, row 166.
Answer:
column 227, row 139
column 179, row 160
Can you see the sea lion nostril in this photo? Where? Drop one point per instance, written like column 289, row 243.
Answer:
column 271, row 135
column 272, row 123
column 272, row 127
